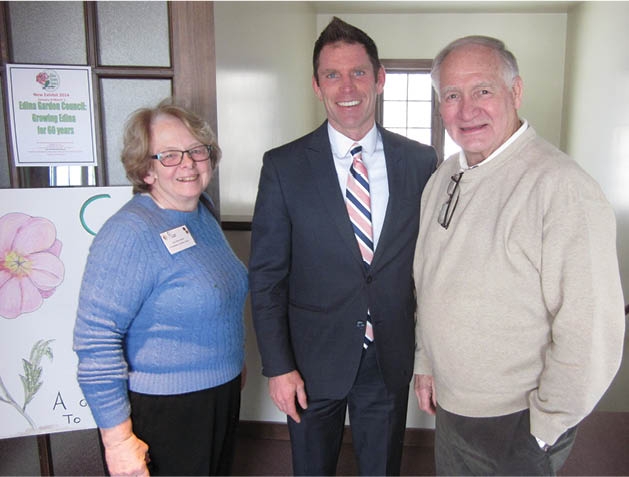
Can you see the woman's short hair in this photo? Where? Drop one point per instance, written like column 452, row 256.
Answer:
column 136, row 150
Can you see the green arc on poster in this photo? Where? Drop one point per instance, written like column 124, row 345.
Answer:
column 84, row 206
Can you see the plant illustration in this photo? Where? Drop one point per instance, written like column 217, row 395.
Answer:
column 30, row 268
column 31, row 379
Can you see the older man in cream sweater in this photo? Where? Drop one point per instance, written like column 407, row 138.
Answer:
column 520, row 309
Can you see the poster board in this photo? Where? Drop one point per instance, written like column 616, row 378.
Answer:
column 45, row 235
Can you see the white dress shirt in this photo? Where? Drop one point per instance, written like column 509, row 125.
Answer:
column 373, row 157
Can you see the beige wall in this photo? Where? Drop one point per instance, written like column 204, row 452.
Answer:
column 265, row 99
column 263, row 71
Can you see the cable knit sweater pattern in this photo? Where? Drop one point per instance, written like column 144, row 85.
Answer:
column 155, row 322
column 519, row 300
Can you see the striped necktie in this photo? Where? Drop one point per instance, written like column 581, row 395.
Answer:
column 359, row 209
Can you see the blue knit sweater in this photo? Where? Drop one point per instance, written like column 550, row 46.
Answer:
column 155, row 322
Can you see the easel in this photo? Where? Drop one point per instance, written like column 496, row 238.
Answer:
column 45, row 455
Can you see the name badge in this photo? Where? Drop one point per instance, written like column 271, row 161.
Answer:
column 177, row 239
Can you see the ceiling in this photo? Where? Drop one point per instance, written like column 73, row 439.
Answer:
column 465, row 6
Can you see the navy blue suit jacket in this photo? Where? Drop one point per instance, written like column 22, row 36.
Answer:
column 309, row 288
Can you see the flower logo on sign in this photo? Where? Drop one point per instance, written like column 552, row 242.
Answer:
column 30, row 268
column 49, row 80
column 42, row 78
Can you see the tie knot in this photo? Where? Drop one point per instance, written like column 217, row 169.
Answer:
column 356, row 150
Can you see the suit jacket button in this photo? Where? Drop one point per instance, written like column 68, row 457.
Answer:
column 369, row 279
column 360, row 324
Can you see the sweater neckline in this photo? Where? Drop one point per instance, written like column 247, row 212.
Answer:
column 151, row 203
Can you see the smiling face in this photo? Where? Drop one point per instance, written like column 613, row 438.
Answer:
column 348, row 88
column 177, row 187
column 479, row 110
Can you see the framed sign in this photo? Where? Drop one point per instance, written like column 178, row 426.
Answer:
column 51, row 115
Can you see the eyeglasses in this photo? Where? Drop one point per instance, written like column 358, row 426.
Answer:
column 448, row 207
column 174, row 158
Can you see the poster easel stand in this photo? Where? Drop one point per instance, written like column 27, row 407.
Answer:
column 45, row 455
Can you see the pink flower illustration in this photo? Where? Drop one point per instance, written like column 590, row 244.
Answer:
column 30, row 269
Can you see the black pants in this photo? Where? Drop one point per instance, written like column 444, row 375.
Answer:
column 501, row 445
column 377, row 418
column 189, row 434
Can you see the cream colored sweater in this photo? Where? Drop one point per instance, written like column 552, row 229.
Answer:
column 519, row 300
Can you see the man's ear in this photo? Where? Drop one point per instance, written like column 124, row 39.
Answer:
column 380, row 79
column 516, row 91
column 315, row 87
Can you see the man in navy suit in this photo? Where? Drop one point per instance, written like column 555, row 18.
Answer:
column 314, row 294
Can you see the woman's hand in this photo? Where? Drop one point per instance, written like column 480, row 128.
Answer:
column 125, row 454
column 243, row 376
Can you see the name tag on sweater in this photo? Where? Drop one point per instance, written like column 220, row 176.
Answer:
column 177, row 239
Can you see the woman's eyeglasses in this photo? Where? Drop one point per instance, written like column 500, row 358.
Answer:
column 174, row 158
column 448, row 207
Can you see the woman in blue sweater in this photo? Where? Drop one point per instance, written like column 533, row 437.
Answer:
column 159, row 332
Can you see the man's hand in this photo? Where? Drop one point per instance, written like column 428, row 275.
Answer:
column 124, row 452
column 284, row 389
column 425, row 392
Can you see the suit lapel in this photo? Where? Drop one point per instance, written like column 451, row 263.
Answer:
column 395, row 174
column 319, row 154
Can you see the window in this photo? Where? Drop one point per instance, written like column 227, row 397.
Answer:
column 409, row 105
column 61, row 176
